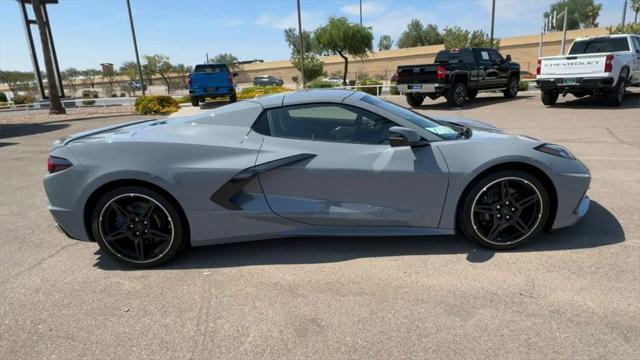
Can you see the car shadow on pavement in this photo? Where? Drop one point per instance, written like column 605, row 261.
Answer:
column 491, row 99
column 213, row 104
column 631, row 101
column 16, row 130
column 598, row 228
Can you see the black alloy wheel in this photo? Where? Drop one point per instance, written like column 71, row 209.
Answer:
column 457, row 94
column 506, row 210
column 139, row 227
column 512, row 88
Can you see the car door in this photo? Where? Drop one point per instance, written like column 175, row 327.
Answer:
column 488, row 74
column 340, row 170
column 501, row 66
column 635, row 72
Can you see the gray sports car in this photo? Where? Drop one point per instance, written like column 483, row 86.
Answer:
column 307, row 163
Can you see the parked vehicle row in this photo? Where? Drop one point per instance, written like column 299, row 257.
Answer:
column 602, row 66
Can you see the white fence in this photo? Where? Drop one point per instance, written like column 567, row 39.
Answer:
column 71, row 104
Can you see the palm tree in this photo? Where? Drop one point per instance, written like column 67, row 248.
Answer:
column 591, row 15
column 635, row 6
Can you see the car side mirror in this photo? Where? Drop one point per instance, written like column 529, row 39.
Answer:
column 401, row 136
column 508, row 58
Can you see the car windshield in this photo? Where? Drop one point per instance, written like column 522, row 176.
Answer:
column 601, row 45
column 439, row 128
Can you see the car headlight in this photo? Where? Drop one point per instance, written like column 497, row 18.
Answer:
column 556, row 150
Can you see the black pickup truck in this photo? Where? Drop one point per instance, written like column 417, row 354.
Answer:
column 458, row 74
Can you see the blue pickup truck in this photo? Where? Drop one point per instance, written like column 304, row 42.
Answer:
column 211, row 81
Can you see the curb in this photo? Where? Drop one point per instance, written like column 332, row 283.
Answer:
column 22, row 126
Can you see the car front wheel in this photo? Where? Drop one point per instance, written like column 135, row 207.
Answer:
column 137, row 227
column 512, row 88
column 504, row 210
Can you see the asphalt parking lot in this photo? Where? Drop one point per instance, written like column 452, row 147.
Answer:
column 572, row 294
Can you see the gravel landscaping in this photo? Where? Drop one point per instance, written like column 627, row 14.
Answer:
column 42, row 116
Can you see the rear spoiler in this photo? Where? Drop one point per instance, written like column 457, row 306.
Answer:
column 67, row 139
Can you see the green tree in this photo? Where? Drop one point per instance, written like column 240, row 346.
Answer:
column 13, row 79
column 228, row 59
column 90, row 76
column 313, row 66
column 71, row 76
column 635, row 6
column 633, row 28
column 582, row 13
column 340, row 37
column 109, row 73
column 182, row 71
column 385, row 43
column 419, row 35
column 293, row 40
column 457, row 37
column 160, row 65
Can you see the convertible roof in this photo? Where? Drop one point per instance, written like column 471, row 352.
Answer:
column 304, row 97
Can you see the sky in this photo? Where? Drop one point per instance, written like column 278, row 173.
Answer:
column 90, row 32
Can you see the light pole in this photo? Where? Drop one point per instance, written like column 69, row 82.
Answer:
column 493, row 19
column 361, row 12
column 55, row 105
column 135, row 47
column 301, row 45
column 564, row 29
column 624, row 12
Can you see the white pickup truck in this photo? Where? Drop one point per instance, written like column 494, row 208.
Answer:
column 602, row 65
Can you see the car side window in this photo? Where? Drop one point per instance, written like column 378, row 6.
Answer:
column 495, row 56
column 325, row 122
column 636, row 42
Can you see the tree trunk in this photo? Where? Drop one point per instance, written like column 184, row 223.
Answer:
column 55, row 106
column 346, row 68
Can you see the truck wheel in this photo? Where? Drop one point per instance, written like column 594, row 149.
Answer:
column 414, row 99
column 195, row 101
column 512, row 88
column 615, row 96
column 471, row 94
column 549, row 97
column 233, row 98
column 457, row 94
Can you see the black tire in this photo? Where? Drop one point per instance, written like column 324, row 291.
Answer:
column 457, row 94
column 138, row 220
column 615, row 96
column 471, row 94
column 549, row 97
column 512, row 88
column 195, row 101
column 233, row 98
column 414, row 99
column 500, row 219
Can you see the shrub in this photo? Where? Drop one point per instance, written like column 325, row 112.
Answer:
column 369, row 90
column 320, row 84
column 523, row 85
column 183, row 100
column 3, row 97
column 90, row 94
column 122, row 94
column 23, row 99
column 253, row 91
column 88, row 102
column 162, row 104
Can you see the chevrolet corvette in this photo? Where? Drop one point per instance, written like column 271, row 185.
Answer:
column 307, row 163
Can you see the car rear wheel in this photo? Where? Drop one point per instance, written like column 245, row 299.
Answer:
column 137, row 227
column 457, row 94
column 504, row 210
column 195, row 101
column 549, row 97
column 414, row 99
column 512, row 88
column 233, row 98
column 616, row 95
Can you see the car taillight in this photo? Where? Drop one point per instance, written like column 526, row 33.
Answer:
column 608, row 64
column 538, row 67
column 55, row 164
column 442, row 72
column 189, row 81
column 230, row 78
